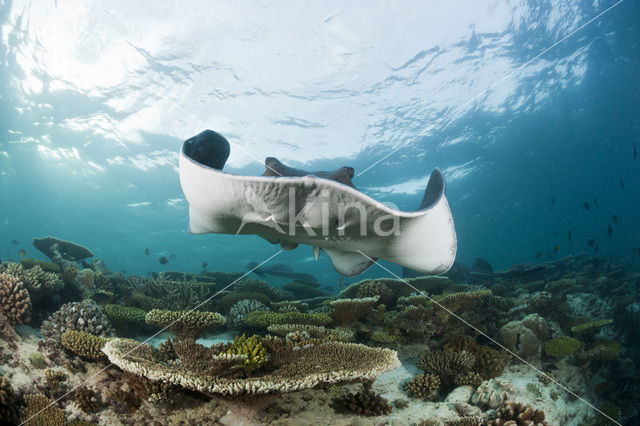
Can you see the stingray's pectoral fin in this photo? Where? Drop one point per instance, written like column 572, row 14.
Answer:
column 349, row 263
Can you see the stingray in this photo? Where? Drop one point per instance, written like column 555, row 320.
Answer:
column 289, row 207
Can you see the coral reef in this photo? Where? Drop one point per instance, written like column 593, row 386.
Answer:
column 424, row 386
column 366, row 403
column 248, row 285
column 230, row 299
column 124, row 315
column 40, row 411
column 525, row 337
column 518, row 414
column 242, row 308
column 375, row 288
column 251, row 349
column 84, row 344
column 15, row 302
column 561, row 347
column 40, row 284
column 447, row 365
column 348, row 311
column 305, row 368
column 81, row 316
column 262, row 319
column 185, row 324
column 87, row 400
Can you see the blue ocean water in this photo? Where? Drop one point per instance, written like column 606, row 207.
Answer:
column 96, row 99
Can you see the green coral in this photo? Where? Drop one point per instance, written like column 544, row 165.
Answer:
column 124, row 314
column 590, row 326
column 562, row 346
column 252, row 348
column 38, row 361
column 41, row 411
column 29, row 263
column 84, row 344
column 185, row 324
column 263, row 319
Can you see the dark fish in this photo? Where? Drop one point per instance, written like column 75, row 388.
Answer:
column 555, row 233
column 553, row 200
column 163, row 260
column 146, row 251
column 22, row 253
column 569, row 235
column 585, row 206
column 609, row 229
column 591, row 242
column 204, row 265
column 280, row 270
column 595, row 202
column 615, row 219
column 15, row 242
column 635, row 151
column 538, row 255
column 621, row 183
column 172, row 257
column 556, row 248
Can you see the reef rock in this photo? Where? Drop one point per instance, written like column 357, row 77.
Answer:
column 525, row 337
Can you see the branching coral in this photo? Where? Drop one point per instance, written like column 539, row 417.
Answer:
column 15, row 302
column 82, row 316
column 242, row 308
column 314, row 331
column 518, row 414
column 455, row 301
column 185, row 324
column 8, row 402
column 305, row 368
column 87, row 400
column 470, row 378
column 40, row 410
column 248, row 285
column 84, row 344
column 366, row 403
column 424, row 386
column 251, row 348
column 39, row 284
column 561, row 347
column 447, row 365
column 263, row 319
column 375, row 288
column 348, row 311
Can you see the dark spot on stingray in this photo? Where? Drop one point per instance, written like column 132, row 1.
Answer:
column 163, row 260
column 553, row 200
column 585, row 206
column 615, row 219
column 146, row 251
column 609, row 229
column 15, row 242
column 591, row 242
column 569, row 235
column 172, row 257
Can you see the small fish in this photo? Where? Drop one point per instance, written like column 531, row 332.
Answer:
column 621, row 183
column 204, row 265
column 172, row 257
column 553, row 200
column 595, row 202
column 569, row 235
column 22, row 253
column 146, row 251
column 615, row 219
column 538, row 255
column 638, row 252
column 15, row 242
column 585, row 206
column 556, row 248
column 609, row 229
column 163, row 260
column 595, row 250
column 591, row 242
column 555, row 233
column 635, row 151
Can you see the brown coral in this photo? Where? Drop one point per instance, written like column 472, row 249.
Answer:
column 87, row 400
column 8, row 402
column 424, row 386
column 447, row 365
column 15, row 302
column 366, row 402
column 185, row 324
column 84, row 344
column 348, row 311
column 41, row 411
column 517, row 414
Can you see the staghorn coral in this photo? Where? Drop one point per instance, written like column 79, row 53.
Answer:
column 348, row 311
column 84, row 344
column 242, row 308
column 493, row 393
column 8, row 402
column 251, row 348
column 290, row 370
column 185, row 324
column 41, row 411
column 15, row 303
column 424, row 386
column 81, row 316
column 518, row 414
column 561, row 347
column 447, row 365
column 366, row 402
column 262, row 319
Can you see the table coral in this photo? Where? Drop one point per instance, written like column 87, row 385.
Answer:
column 185, row 323
column 348, row 311
column 15, row 303
column 305, row 368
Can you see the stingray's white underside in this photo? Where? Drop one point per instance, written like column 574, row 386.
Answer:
column 325, row 214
